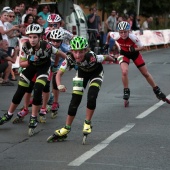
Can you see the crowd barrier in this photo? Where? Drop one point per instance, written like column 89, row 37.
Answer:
column 154, row 37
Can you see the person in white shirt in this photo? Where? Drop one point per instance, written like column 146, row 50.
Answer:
column 29, row 10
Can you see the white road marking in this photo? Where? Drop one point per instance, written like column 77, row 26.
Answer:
column 87, row 155
column 151, row 109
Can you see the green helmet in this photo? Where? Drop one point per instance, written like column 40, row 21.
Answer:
column 78, row 43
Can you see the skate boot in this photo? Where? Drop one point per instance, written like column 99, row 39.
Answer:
column 54, row 110
column 87, row 128
column 20, row 116
column 5, row 118
column 42, row 115
column 59, row 135
column 126, row 96
column 32, row 125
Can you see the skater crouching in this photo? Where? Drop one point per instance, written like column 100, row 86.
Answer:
column 35, row 58
column 90, row 70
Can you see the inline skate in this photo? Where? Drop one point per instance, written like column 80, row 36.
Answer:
column 126, row 96
column 32, row 125
column 42, row 114
column 87, row 128
column 5, row 118
column 20, row 116
column 54, row 110
column 59, row 135
column 160, row 95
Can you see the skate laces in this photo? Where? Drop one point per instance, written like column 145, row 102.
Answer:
column 158, row 92
column 43, row 111
column 63, row 131
column 55, row 106
column 33, row 121
column 87, row 128
column 6, row 117
column 126, row 91
column 23, row 112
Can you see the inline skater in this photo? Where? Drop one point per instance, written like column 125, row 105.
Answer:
column 89, row 70
column 130, row 47
column 35, row 58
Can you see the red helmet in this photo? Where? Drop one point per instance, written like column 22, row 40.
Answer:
column 54, row 18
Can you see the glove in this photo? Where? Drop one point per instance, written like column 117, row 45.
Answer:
column 106, row 46
column 31, row 59
column 131, row 49
column 61, row 88
column 54, row 68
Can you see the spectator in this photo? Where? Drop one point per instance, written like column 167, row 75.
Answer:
column 18, row 18
column 29, row 10
column 39, row 20
column 6, row 62
column 94, row 23
column 28, row 19
column 111, row 22
column 22, row 8
column 135, row 24
column 34, row 12
column 3, row 25
column 44, row 14
column 146, row 23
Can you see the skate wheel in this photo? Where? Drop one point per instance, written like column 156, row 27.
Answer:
column 126, row 103
column 50, row 139
column 17, row 120
column 31, row 131
column 54, row 115
column 42, row 119
column 84, row 139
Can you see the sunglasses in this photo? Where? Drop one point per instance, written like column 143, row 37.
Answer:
column 53, row 25
column 12, row 16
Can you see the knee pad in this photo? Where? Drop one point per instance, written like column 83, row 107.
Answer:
column 74, row 104
column 54, row 82
column 92, row 96
column 19, row 94
column 37, row 98
column 47, row 87
column 30, row 88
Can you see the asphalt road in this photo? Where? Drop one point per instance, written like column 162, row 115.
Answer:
column 133, row 138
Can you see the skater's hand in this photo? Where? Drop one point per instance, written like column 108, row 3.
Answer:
column 132, row 49
column 62, row 88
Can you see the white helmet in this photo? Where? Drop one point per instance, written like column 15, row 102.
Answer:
column 57, row 34
column 54, row 18
column 123, row 25
column 33, row 29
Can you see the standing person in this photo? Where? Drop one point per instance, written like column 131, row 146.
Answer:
column 146, row 23
column 29, row 10
column 90, row 70
column 45, row 13
column 3, row 25
column 28, row 19
column 35, row 58
column 18, row 17
column 94, row 26
column 22, row 7
column 130, row 46
column 111, row 22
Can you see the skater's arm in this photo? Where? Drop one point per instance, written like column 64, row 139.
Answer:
column 61, row 87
